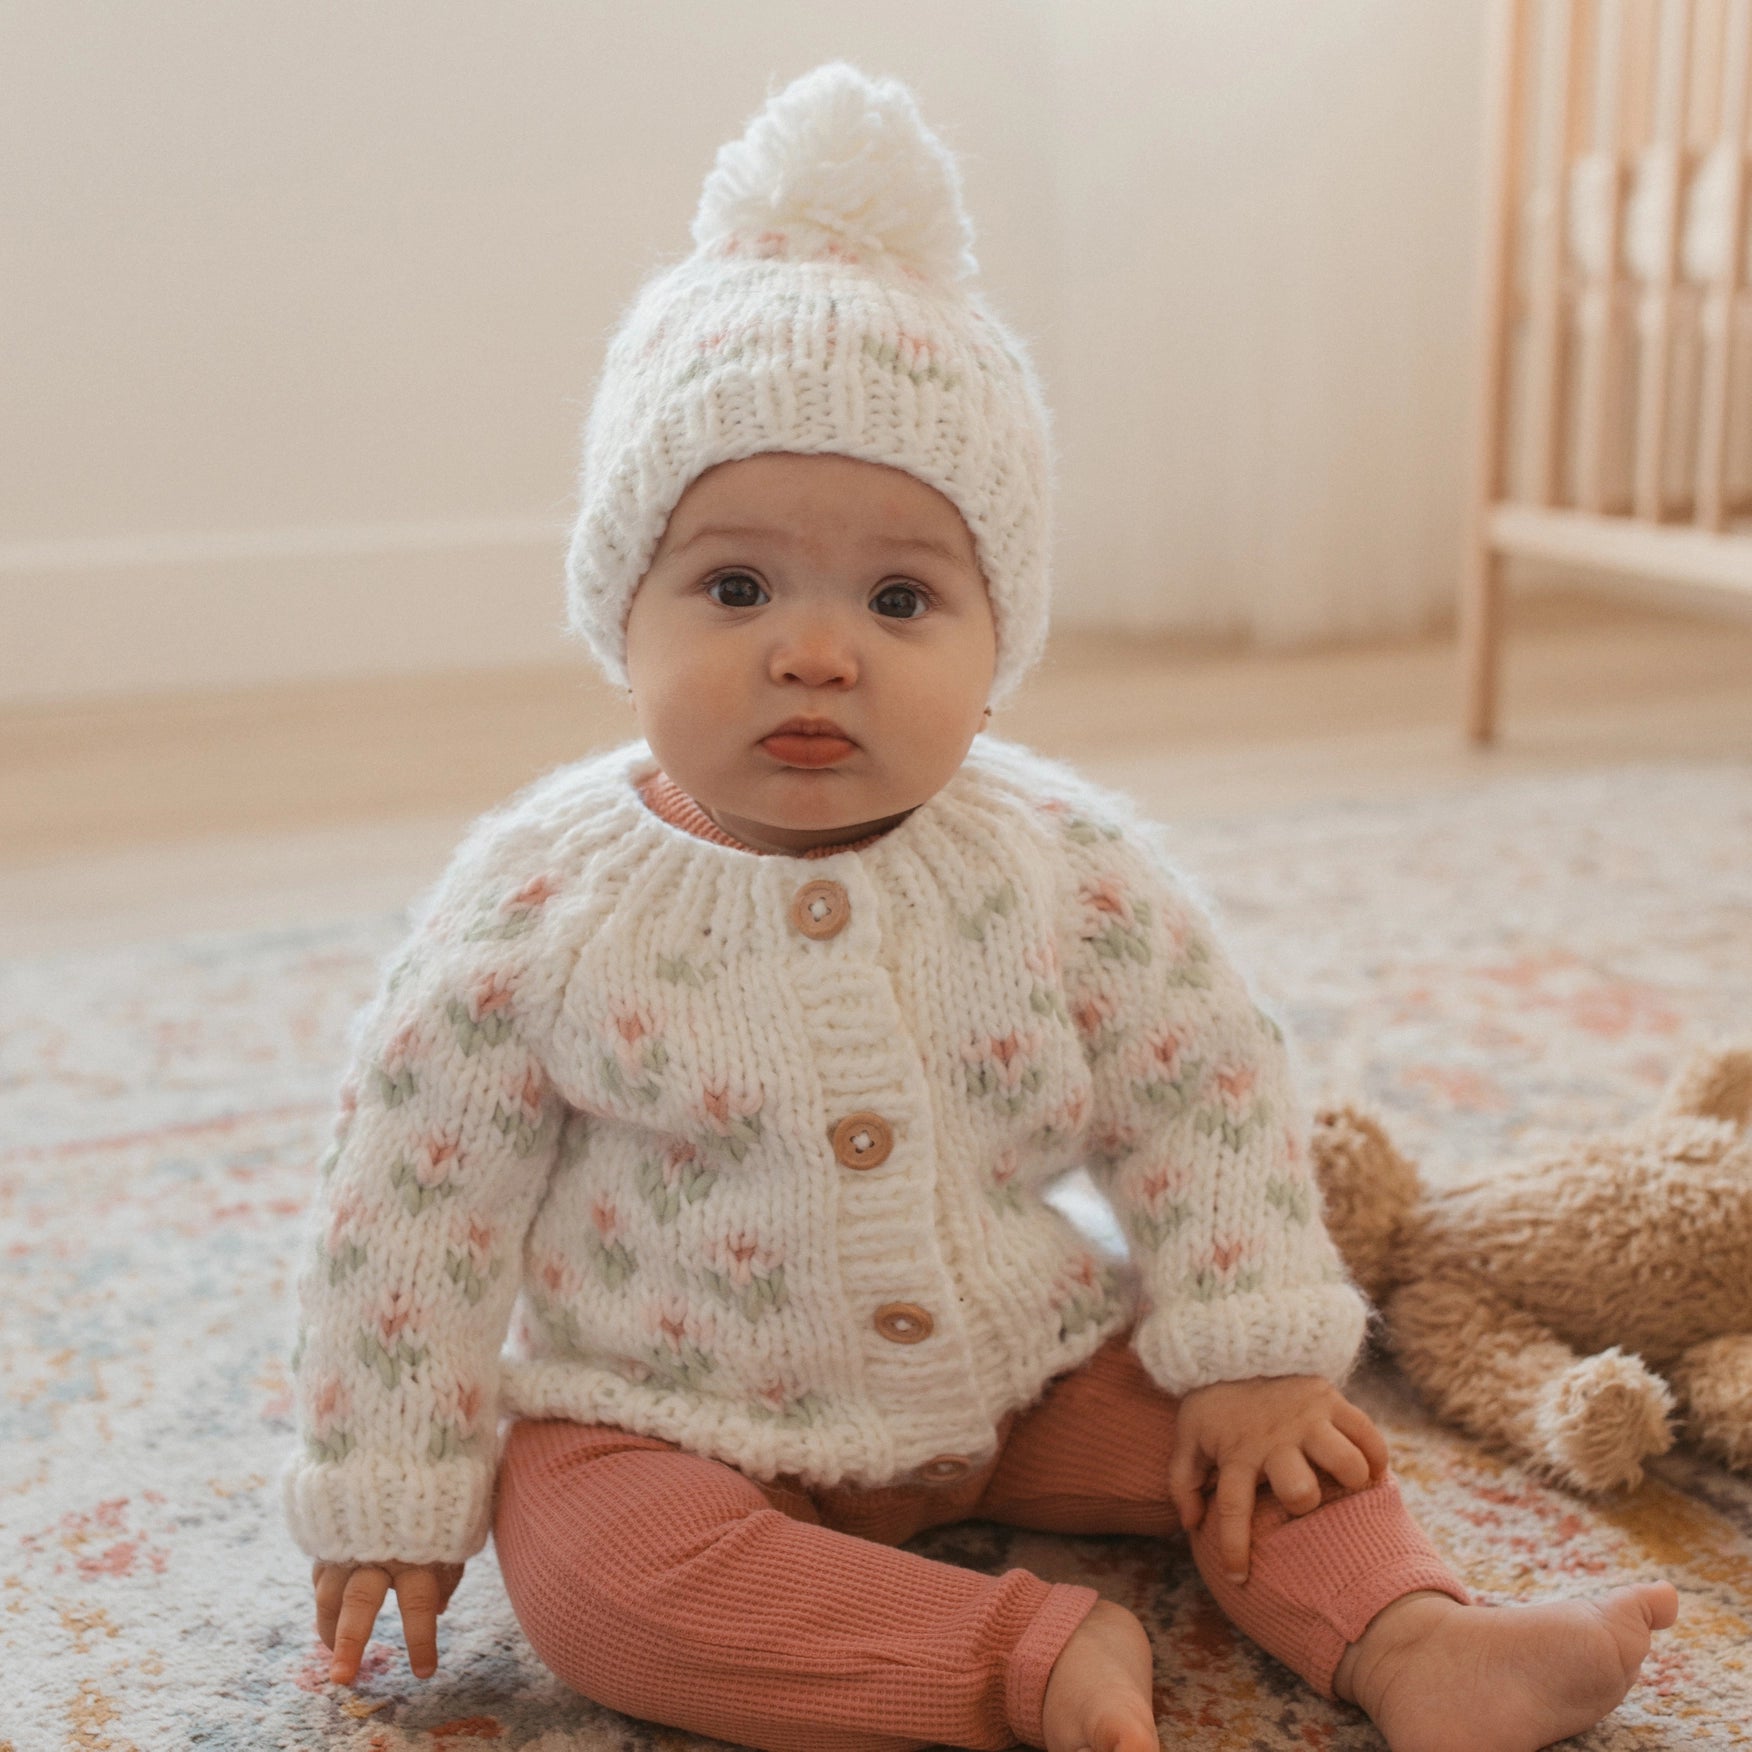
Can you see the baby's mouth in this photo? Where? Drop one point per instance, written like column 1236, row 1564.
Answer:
column 796, row 748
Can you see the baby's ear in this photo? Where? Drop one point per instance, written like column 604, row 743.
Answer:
column 1715, row 1083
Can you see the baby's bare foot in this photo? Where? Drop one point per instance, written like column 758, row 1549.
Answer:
column 1098, row 1693
column 1437, row 1676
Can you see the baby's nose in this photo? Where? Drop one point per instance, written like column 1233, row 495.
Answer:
column 816, row 653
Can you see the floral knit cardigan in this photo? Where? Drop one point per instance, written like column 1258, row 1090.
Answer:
column 748, row 1152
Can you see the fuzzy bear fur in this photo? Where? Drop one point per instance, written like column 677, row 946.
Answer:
column 1580, row 1310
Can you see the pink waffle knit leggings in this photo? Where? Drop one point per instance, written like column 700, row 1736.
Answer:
column 674, row 1588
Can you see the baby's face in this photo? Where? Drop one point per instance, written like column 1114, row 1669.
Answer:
column 817, row 587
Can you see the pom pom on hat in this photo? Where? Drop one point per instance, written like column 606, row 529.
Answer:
column 826, row 308
column 836, row 155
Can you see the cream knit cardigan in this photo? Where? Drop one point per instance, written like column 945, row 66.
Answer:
column 609, row 1070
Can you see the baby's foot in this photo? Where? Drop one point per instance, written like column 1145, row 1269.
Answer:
column 1098, row 1693
column 1437, row 1676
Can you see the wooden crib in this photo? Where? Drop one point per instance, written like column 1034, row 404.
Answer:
column 1615, row 420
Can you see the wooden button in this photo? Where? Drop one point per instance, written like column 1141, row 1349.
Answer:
column 903, row 1322
column 945, row 1467
column 820, row 909
column 862, row 1140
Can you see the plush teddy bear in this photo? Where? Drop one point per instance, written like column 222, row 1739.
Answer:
column 1568, row 1309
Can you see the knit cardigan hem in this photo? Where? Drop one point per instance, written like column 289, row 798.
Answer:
column 863, row 1454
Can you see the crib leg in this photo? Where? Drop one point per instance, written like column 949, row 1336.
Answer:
column 1481, row 614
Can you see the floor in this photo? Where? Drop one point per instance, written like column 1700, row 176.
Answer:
column 138, row 818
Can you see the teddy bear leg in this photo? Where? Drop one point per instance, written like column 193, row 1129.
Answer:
column 1588, row 1422
column 1714, row 1384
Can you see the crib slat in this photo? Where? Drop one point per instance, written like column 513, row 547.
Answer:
column 1545, row 330
column 1655, row 353
column 1718, row 304
column 1599, row 299
column 1481, row 582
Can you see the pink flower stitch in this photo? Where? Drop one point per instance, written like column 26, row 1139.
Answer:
column 1092, row 1014
column 476, row 1239
column 746, row 1275
column 1165, row 1182
column 607, row 1220
column 677, row 1323
column 774, row 1395
column 555, row 1277
column 536, row 892
column 529, row 1093
column 1108, row 895
column 329, row 1403
column 1004, row 1058
column 638, row 1053
column 1082, row 1271
column 1112, row 1142
column 395, row 1314
column 733, row 1120
column 432, row 1166
column 723, row 1111
column 743, row 1259
column 1165, row 1047
column 466, row 1400
column 491, row 996
column 1235, row 1084
column 348, row 1209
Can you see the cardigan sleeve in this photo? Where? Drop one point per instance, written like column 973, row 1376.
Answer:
column 1197, row 1135
column 447, row 1133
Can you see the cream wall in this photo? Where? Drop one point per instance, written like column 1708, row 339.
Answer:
column 302, row 303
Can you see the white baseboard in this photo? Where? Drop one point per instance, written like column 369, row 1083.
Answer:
column 167, row 614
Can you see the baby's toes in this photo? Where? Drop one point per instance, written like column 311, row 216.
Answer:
column 1634, row 1614
column 1123, row 1728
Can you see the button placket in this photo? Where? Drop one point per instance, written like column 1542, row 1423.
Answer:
column 862, row 1140
column 820, row 909
column 946, row 1468
column 904, row 1322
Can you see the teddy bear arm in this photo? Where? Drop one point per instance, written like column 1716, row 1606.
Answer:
column 1714, row 1383
column 1508, row 1379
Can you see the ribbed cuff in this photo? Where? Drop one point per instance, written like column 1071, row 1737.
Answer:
column 1312, row 1329
column 1031, row 1661
column 375, row 1505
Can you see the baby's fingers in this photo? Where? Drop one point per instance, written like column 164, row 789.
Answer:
column 360, row 1600
column 1292, row 1480
column 330, row 1579
column 1339, row 1454
column 1237, row 1487
column 417, row 1591
column 1186, row 1476
column 1356, row 1423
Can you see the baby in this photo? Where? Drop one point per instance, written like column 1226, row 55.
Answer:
column 727, row 1072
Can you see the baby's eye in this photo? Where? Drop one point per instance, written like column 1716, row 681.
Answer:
column 741, row 580
column 889, row 591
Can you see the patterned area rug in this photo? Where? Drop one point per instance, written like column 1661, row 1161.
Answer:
column 1528, row 957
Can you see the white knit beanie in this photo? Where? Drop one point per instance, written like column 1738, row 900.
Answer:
column 826, row 307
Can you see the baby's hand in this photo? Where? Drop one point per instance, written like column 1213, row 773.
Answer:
column 1273, row 1425
column 348, row 1597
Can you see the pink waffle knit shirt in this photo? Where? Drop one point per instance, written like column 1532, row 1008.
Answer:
column 751, row 1152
